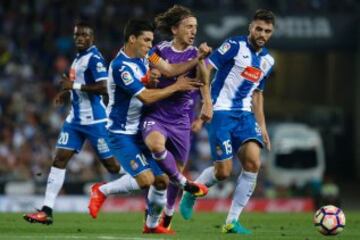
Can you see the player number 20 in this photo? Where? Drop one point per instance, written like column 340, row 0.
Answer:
column 64, row 138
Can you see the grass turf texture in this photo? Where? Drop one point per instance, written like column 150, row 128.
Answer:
column 116, row 226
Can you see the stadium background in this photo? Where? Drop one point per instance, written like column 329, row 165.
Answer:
column 316, row 81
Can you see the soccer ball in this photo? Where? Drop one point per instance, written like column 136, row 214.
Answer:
column 329, row 220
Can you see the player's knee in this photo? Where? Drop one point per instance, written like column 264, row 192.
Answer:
column 145, row 180
column 156, row 146
column 114, row 169
column 251, row 165
column 222, row 174
column 161, row 182
column 60, row 162
column 112, row 166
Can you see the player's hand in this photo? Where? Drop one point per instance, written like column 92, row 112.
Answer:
column 204, row 50
column 66, row 84
column 153, row 78
column 197, row 125
column 206, row 112
column 184, row 83
column 266, row 139
column 60, row 98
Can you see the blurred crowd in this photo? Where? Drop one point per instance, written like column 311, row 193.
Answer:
column 36, row 47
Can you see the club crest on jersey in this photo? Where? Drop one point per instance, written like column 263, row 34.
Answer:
column 219, row 151
column 134, row 165
column 100, row 67
column 127, row 78
column 224, row 48
column 252, row 74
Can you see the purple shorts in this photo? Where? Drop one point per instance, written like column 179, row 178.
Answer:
column 177, row 137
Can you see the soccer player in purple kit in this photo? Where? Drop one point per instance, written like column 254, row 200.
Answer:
column 167, row 126
column 127, row 95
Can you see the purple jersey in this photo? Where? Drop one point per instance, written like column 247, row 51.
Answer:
column 178, row 108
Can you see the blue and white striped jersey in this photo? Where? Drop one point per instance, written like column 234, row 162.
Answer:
column 87, row 68
column 240, row 70
column 124, row 85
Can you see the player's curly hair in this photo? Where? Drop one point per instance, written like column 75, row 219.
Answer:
column 265, row 15
column 173, row 16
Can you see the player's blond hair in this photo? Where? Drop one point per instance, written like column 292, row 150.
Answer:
column 172, row 17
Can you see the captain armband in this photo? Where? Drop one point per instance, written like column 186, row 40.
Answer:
column 154, row 58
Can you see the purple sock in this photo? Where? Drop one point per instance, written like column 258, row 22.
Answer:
column 172, row 193
column 167, row 163
column 145, row 193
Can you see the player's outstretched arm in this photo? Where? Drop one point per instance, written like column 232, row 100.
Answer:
column 171, row 70
column 258, row 108
column 149, row 96
column 96, row 88
column 203, row 73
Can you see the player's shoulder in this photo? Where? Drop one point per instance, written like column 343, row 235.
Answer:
column 236, row 40
column 163, row 45
column 118, row 62
column 122, row 63
column 95, row 53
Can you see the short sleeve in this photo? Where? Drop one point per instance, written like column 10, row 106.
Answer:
column 124, row 77
column 153, row 56
column 98, row 68
column 224, row 53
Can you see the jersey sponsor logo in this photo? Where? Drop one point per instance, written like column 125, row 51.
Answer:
column 224, row 48
column 72, row 74
column 127, row 78
column 252, row 74
column 100, row 67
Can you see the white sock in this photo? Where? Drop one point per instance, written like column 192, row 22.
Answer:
column 245, row 187
column 54, row 184
column 207, row 177
column 169, row 211
column 156, row 203
column 124, row 184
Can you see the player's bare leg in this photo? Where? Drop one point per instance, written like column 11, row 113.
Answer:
column 111, row 165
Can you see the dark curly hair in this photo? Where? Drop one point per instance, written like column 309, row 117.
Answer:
column 172, row 17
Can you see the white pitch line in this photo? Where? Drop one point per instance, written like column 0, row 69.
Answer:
column 84, row 237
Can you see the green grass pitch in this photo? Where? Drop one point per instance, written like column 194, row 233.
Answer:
column 128, row 226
